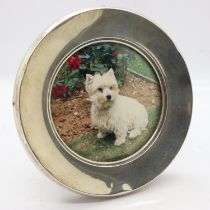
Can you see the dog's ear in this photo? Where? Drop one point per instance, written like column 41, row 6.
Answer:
column 89, row 78
column 88, row 82
column 111, row 72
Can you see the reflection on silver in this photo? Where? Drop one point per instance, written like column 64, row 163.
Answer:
column 34, row 78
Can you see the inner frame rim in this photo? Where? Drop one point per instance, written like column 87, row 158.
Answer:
column 156, row 67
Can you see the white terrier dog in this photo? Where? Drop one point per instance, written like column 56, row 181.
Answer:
column 111, row 112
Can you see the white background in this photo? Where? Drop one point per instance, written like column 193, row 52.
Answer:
column 185, row 184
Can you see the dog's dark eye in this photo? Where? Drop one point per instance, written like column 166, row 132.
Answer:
column 100, row 89
column 111, row 88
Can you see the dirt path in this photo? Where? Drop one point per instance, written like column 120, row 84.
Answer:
column 71, row 116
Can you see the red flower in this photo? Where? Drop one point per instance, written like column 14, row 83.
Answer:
column 116, row 53
column 60, row 90
column 65, row 88
column 74, row 61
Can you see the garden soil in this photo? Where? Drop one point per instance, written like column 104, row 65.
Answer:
column 71, row 116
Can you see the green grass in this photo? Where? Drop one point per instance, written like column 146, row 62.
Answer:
column 139, row 65
column 104, row 150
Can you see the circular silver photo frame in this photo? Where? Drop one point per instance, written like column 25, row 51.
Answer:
column 32, row 101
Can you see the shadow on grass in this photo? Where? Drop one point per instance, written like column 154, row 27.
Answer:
column 104, row 150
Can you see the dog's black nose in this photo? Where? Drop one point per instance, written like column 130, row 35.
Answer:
column 108, row 97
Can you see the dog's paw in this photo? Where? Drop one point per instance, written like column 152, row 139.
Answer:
column 119, row 141
column 134, row 133
column 100, row 135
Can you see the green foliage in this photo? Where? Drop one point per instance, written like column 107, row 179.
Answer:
column 96, row 58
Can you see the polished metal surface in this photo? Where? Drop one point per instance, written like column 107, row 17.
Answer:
column 31, row 100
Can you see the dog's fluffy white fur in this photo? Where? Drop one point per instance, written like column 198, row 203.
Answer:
column 111, row 112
